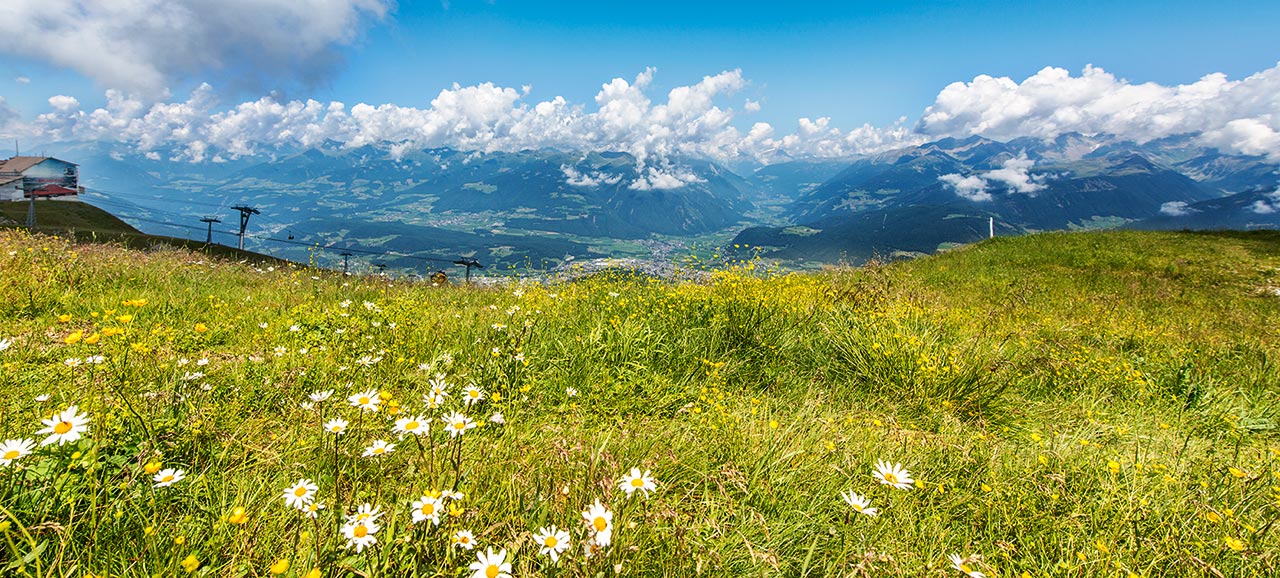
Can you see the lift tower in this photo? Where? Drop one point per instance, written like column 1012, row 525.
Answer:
column 245, row 212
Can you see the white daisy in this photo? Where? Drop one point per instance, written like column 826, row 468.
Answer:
column 552, row 542
column 313, row 509
column 497, row 418
column 893, row 475
column 168, row 477
column 64, row 427
column 414, row 425
column 379, row 448
column 452, row 495
column 336, row 426
column 95, row 359
column 439, row 387
column 366, row 400
column 457, row 424
column 300, row 494
column 490, row 565
column 427, row 508
column 5, row 343
column 859, row 503
column 637, row 481
column 365, row 512
column 463, row 539
column 472, row 395
column 319, row 396
column 13, row 450
column 360, row 534
column 599, row 523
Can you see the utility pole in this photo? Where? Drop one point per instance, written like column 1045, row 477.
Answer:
column 244, row 219
column 346, row 256
column 469, row 263
column 991, row 228
column 211, row 220
column 31, row 209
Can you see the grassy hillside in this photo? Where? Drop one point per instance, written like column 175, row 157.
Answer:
column 1091, row 404
column 86, row 222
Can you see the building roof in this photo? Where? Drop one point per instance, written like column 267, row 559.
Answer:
column 19, row 164
column 4, row 180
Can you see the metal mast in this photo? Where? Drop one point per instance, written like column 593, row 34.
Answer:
column 245, row 212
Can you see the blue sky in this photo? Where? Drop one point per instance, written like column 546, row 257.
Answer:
column 854, row 62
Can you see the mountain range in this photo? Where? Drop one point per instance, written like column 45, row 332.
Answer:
column 544, row 208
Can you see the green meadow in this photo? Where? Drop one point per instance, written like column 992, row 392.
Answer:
column 1060, row 404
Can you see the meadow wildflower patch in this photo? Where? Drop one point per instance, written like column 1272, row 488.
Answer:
column 1018, row 407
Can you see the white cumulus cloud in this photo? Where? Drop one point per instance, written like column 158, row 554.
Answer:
column 589, row 179
column 1268, row 205
column 971, row 187
column 1015, row 174
column 1175, row 209
column 1235, row 115
column 701, row 119
column 141, row 46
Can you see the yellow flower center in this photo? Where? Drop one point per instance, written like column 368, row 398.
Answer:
column 428, row 508
column 491, row 571
column 300, row 491
column 857, row 507
column 11, row 455
column 600, row 523
column 380, row 451
column 360, row 531
column 364, row 400
column 889, row 477
column 551, row 542
column 62, row 427
column 638, row 482
column 965, row 568
column 464, row 540
column 459, row 425
column 411, row 425
column 474, row 393
column 166, row 479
